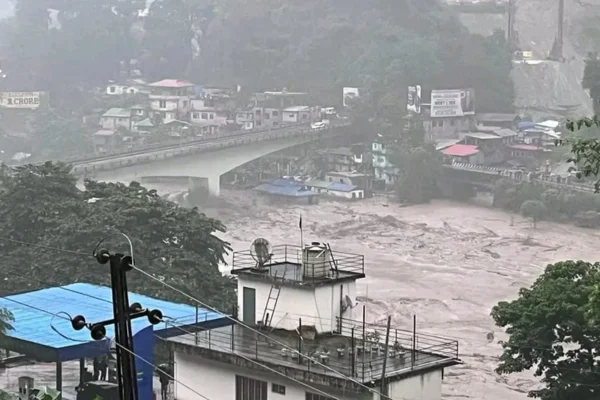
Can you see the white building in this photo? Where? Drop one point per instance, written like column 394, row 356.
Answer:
column 383, row 169
column 116, row 118
column 170, row 99
column 313, row 338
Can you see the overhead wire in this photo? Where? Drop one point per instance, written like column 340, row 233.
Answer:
column 219, row 312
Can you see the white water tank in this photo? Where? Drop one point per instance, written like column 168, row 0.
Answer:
column 316, row 260
column 25, row 387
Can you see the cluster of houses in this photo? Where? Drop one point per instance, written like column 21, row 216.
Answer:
column 181, row 108
column 481, row 139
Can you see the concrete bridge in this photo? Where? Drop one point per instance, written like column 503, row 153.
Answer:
column 484, row 176
column 204, row 161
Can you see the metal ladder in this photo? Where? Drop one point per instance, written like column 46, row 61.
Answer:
column 272, row 301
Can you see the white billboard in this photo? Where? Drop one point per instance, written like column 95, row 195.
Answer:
column 29, row 100
column 413, row 102
column 452, row 103
column 349, row 93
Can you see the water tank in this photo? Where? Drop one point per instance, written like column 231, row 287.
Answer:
column 25, row 387
column 316, row 260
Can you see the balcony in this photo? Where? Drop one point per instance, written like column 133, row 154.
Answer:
column 286, row 264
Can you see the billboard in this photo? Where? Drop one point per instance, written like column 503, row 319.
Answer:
column 349, row 93
column 452, row 103
column 413, row 102
column 30, row 100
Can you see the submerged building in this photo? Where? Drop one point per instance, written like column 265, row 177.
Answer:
column 300, row 334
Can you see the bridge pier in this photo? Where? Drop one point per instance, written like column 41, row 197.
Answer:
column 214, row 185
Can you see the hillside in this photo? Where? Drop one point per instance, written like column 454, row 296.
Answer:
column 543, row 88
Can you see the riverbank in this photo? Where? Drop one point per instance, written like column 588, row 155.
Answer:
column 447, row 262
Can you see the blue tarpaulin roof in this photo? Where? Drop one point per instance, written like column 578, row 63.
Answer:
column 342, row 187
column 35, row 325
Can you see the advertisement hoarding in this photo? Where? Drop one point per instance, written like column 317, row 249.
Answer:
column 452, row 103
column 413, row 102
column 30, row 100
column 349, row 93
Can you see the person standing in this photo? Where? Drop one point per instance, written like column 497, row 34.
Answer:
column 96, row 367
column 103, row 366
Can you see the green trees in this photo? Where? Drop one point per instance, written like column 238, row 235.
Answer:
column 419, row 171
column 41, row 204
column 534, row 209
column 554, row 330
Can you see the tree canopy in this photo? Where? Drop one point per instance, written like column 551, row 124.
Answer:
column 554, row 331
column 316, row 47
column 41, row 204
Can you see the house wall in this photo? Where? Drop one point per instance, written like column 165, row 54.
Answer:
column 448, row 127
column 290, row 117
column 115, row 90
column 427, row 386
column 316, row 306
column 355, row 194
column 170, row 105
column 216, row 381
column 112, row 123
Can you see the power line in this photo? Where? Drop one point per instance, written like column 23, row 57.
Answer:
column 79, row 253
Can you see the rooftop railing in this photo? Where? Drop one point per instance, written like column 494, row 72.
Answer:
column 285, row 263
column 336, row 354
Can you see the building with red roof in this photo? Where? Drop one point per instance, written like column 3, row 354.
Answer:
column 464, row 153
column 171, row 99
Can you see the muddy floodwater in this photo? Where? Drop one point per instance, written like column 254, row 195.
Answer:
column 449, row 263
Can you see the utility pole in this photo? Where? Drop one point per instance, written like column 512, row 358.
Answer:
column 509, row 29
column 123, row 313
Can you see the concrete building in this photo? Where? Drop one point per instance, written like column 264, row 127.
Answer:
column 116, row 118
column 205, row 116
column 170, row 99
column 383, row 169
column 273, row 109
column 501, row 120
column 491, row 146
column 245, row 119
column 360, row 180
column 341, row 159
column 314, row 344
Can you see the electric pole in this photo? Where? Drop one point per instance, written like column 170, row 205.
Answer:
column 123, row 313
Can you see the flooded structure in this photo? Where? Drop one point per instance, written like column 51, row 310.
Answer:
column 299, row 332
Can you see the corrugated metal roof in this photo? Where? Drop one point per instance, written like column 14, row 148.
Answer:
column 342, row 187
column 460, row 150
column 505, row 132
column 93, row 302
column 118, row 113
column 171, row 83
column 318, row 183
column 482, row 136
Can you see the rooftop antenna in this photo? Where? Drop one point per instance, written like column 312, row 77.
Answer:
column 260, row 249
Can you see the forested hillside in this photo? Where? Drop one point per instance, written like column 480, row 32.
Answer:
column 316, row 45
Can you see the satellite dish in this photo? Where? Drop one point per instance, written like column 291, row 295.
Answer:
column 347, row 304
column 260, row 249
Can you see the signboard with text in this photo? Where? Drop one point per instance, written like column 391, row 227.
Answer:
column 452, row 103
column 413, row 102
column 29, row 100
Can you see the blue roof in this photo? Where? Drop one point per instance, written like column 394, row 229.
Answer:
column 342, row 187
column 35, row 326
column 285, row 182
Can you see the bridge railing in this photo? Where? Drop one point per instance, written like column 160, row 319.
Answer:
column 522, row 176
column 182, row 141
column 90, row 167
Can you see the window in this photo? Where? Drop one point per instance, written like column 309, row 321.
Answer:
column 212, row 116
column 162, row 104
column 204, row 115
column 267, row 116
column 275, row 123
column 112, row 89
column 280, row 389
column 250, row 389
column 257, row 112
column 185, row 104
column 275, row 113
column 313, row 396
column 304, row 116
column 258, row 123
column 195, row 115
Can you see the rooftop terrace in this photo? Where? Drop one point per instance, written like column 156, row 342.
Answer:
column 357, row 350
column 286, row 265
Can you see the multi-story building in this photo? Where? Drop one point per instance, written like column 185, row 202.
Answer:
column 314, row 343
column 170, row 99
column 383, row 169
column 273, row 109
